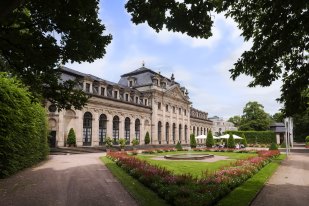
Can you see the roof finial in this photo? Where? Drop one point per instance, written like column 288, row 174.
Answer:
column 143, row 63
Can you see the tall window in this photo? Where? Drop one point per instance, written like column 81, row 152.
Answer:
column 167, row 132
column 146, row 102
column 116, row 128
column 102, row 91
column 197, row 131
column 185, row 112
column 166, row 108
column 131, row 83
column 116, row 94
column 205, row 131
column 180, row 130
column 136, row 100
column 87, row 129
column 174, row 133
column 186, row 133
column 102, row 128
column 87, row 87
column 159, row 105
column 127, row 97
column 137, row 129
column 159, row 131
column 174, row 110
column 194, row 130
column 179, row 110
column 127, row 130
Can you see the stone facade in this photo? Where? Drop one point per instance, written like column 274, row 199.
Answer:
column 142, row 101
column 220, row 126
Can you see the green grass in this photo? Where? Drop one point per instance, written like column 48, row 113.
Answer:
column 244, row 194
column 196, row 169
column 140, row 193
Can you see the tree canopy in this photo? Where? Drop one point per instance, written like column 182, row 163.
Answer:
column 37, row 37
column 279, row 31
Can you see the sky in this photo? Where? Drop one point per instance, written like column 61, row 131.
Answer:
column 200, row 65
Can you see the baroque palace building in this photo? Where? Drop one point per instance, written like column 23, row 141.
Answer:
column 142, row 101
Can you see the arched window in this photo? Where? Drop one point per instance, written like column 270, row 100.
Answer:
column 159, row 131
column 205, row 131
column 137, row 129
column 186, row 133
column 194, row 130
column 102, row 128
column 174, row 133
column 127, row 130
column 167, row 132
column 87, row 129
column 180, row 131
column 116, row 128
column 197, row 131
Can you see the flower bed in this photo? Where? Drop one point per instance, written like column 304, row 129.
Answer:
column 186, row 190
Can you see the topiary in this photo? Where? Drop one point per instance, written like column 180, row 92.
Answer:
column 178, row 146
column 273, row 146
column 307, row 139
column 147, row 138
column 210, row 139
column 231, row 142
column 108, row 142
column 122, row 142
column 244, row 140
column 192, row 141
column 71, row 141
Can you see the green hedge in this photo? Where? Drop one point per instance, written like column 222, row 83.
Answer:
column 23, row 127
column 259, row 137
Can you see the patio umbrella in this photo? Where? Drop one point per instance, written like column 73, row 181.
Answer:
column 201, row 137
column 226, row 136
column 215, row 137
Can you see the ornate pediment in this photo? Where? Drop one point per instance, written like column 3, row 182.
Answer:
column 176, row 93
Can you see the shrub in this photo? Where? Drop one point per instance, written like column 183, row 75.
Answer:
column 210, row 139
column 108, row 142
column 122, row 143
column 244, row 140
column 135, row 142
column 178, row 146
column 231, row 141
column 273, row 146
column 256, row 137
column 283, row 145
column 307, row 139
column 71, row 141
column 23, row 127
column 147, row 138
column 192, row 141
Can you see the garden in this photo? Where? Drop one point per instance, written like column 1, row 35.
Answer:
column 191, row 182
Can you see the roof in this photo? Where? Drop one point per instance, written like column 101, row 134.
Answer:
column 278, row 127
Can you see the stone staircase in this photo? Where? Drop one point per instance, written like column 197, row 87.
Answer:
column 297, row 148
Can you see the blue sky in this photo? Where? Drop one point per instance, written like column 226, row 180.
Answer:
column 201, row 65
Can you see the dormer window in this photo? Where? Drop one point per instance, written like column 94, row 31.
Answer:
column 116, row 94
column 103, row 91
column 136, row 100
column 155, row 82
column 87, row 87
column 145, row 102
column 163, row 85
column 130, row 83
column 127, row 97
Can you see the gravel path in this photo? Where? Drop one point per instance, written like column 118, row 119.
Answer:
column 75, row 180
column 289, row 186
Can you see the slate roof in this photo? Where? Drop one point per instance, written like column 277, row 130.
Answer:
column 278, row 127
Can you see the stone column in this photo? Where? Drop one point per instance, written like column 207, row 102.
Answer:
column 95, row 129
column 79, row 128
column 132, row 130
column 60, row 133
column 121, row 126
column 109, row 126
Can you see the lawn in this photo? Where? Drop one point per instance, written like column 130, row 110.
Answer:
column 194, row 168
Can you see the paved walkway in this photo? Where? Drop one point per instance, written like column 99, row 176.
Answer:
column 75, row 180
column 289, row 186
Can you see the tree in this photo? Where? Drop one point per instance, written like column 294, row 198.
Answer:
column 278, row 29
column 254, row 118
column 71, row 141
column 147, row 138
column 231, row 141
column 210, row 139
column 236, row 120
column 192, row 141
column 278, row 117
column 301, row 128
column 36, row 37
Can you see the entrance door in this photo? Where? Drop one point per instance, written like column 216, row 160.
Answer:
column 52, row 139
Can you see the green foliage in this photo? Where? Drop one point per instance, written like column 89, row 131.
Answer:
column 283, row 145
column 266, row 61
column 278, row 117
column 32, row 52
column 307, row 139
column 192, row 141
column 210, row 139
column 231, row 141
column 147, row 138
column 135, row 142
column 273, row 146
column 71, row 141
column 256, row 137
column 244, row 140
column 108, row 142
column 301, row 129
column 122, row 143
column 23, row 127
column 178, row 146
column 236, row 120
column 254, row 118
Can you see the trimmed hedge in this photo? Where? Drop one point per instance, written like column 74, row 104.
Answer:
column 23, row 127
column 259, row 137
